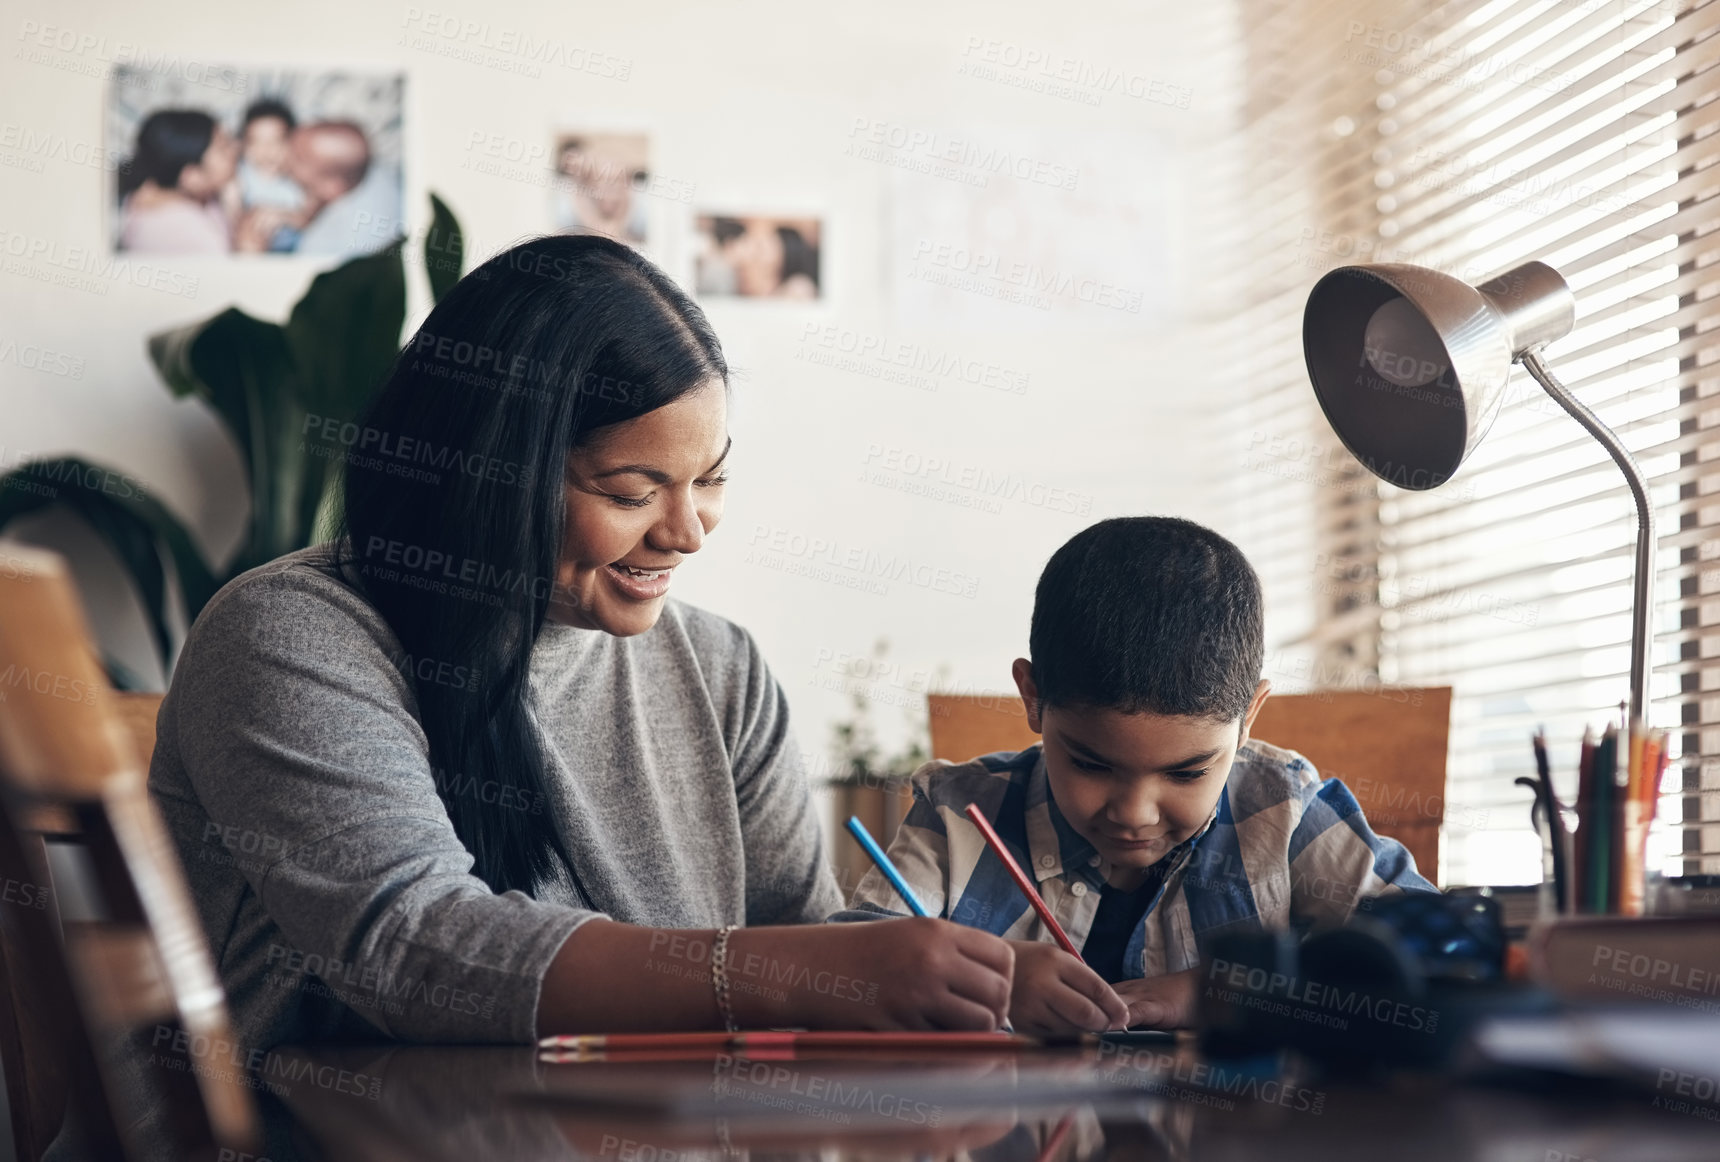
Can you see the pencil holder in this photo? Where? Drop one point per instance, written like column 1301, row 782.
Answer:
column 1605, row 869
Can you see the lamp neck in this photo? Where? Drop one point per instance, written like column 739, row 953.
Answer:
column 1642, row 604
column 1536, row 304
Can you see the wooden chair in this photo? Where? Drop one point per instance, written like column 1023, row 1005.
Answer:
column 966, row 725
column 137, row 713
column 69, row 767
column 1388, row 745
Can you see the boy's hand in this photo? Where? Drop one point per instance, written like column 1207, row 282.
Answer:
column 1161, row 1002
column 1056, row 993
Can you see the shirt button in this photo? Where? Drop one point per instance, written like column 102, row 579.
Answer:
column 1094, row 862
column 1047, row 861
column 1078, row 889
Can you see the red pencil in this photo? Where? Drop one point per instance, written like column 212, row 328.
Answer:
column 779, row 1039
column 1021, row 881
column 1054, row 1143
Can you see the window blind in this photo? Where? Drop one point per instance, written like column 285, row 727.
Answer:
column 1468, row 137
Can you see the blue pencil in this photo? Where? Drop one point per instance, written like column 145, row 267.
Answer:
column 858, row 830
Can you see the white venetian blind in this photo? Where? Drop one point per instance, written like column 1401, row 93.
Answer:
column 1469, row 137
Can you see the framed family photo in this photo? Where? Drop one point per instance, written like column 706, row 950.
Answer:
column 255, row 162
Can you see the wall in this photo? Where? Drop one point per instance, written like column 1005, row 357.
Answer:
column 760, row 106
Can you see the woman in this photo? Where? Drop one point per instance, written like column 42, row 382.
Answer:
column 470, row 774
column 172, row 189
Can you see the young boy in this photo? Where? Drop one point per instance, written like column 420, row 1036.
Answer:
column 1147, row 816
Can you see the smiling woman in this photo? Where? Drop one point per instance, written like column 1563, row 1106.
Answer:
column 561, row 834
column 617, row 494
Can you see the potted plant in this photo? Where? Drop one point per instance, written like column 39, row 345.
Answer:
column 262, row 380
column 866, row 779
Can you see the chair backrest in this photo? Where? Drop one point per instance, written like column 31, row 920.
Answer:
column 1387, row 744
column 143, row 963
column 965, row 725
column 136, row 712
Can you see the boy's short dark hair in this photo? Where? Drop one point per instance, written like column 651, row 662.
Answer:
column 268, row 107
column 1148, row 614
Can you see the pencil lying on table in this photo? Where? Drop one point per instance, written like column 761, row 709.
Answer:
column 995, row 841
column 782, row 1039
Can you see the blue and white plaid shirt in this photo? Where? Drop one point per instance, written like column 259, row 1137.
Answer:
column 1283, row 848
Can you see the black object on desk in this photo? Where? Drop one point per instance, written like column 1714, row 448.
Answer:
column 1545, row 812
column 1401, row 983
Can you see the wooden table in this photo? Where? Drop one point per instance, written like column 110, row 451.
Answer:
column 471, row 1104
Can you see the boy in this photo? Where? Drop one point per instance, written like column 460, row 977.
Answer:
column 1146, row 815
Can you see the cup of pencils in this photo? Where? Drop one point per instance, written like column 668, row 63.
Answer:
column 1601, row 866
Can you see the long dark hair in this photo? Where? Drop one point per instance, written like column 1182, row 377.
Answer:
column 167, row 142
column 454, row 503
column 798, row 255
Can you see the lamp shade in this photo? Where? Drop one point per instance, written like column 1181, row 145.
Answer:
column 1410, row 365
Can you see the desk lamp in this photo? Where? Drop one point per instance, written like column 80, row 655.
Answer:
column 1410, row 366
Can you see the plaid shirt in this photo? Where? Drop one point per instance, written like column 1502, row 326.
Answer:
column 1283, row 848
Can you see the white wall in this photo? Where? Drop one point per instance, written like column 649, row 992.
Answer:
column 754, row 104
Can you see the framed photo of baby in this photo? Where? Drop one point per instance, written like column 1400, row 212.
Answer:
column 267, row 162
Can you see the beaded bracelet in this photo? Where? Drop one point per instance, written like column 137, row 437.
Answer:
column 720, row 977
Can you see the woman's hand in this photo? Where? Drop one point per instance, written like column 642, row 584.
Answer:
column 882, row 974
column 1056, row 993
column 1162, row 1002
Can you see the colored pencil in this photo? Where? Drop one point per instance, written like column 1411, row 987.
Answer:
column 776, row 1039
column 1601, row 851
column 1021, row 881
column 1633, row 773
column 1054, row 1144
column 1660, row 772
column 1632, row 831
column 1582, row 863
column 1644, row 805
column 1648, row 787
column 870, row 845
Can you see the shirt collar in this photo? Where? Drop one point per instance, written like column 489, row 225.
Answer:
column 1052, row 844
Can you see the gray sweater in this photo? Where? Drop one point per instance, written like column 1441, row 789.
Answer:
column 338, row 902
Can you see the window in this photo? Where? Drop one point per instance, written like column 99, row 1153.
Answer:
column 1470, row 137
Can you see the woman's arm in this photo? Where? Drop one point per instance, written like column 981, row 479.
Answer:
column 289, row 761
column 893, row 974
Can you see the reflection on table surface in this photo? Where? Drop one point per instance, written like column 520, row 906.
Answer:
column 470, row 1104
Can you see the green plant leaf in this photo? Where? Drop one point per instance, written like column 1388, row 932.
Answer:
column 444, row 249
column 202, row 360
column 134, row 524
column 244, row 368
column 344, row 334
